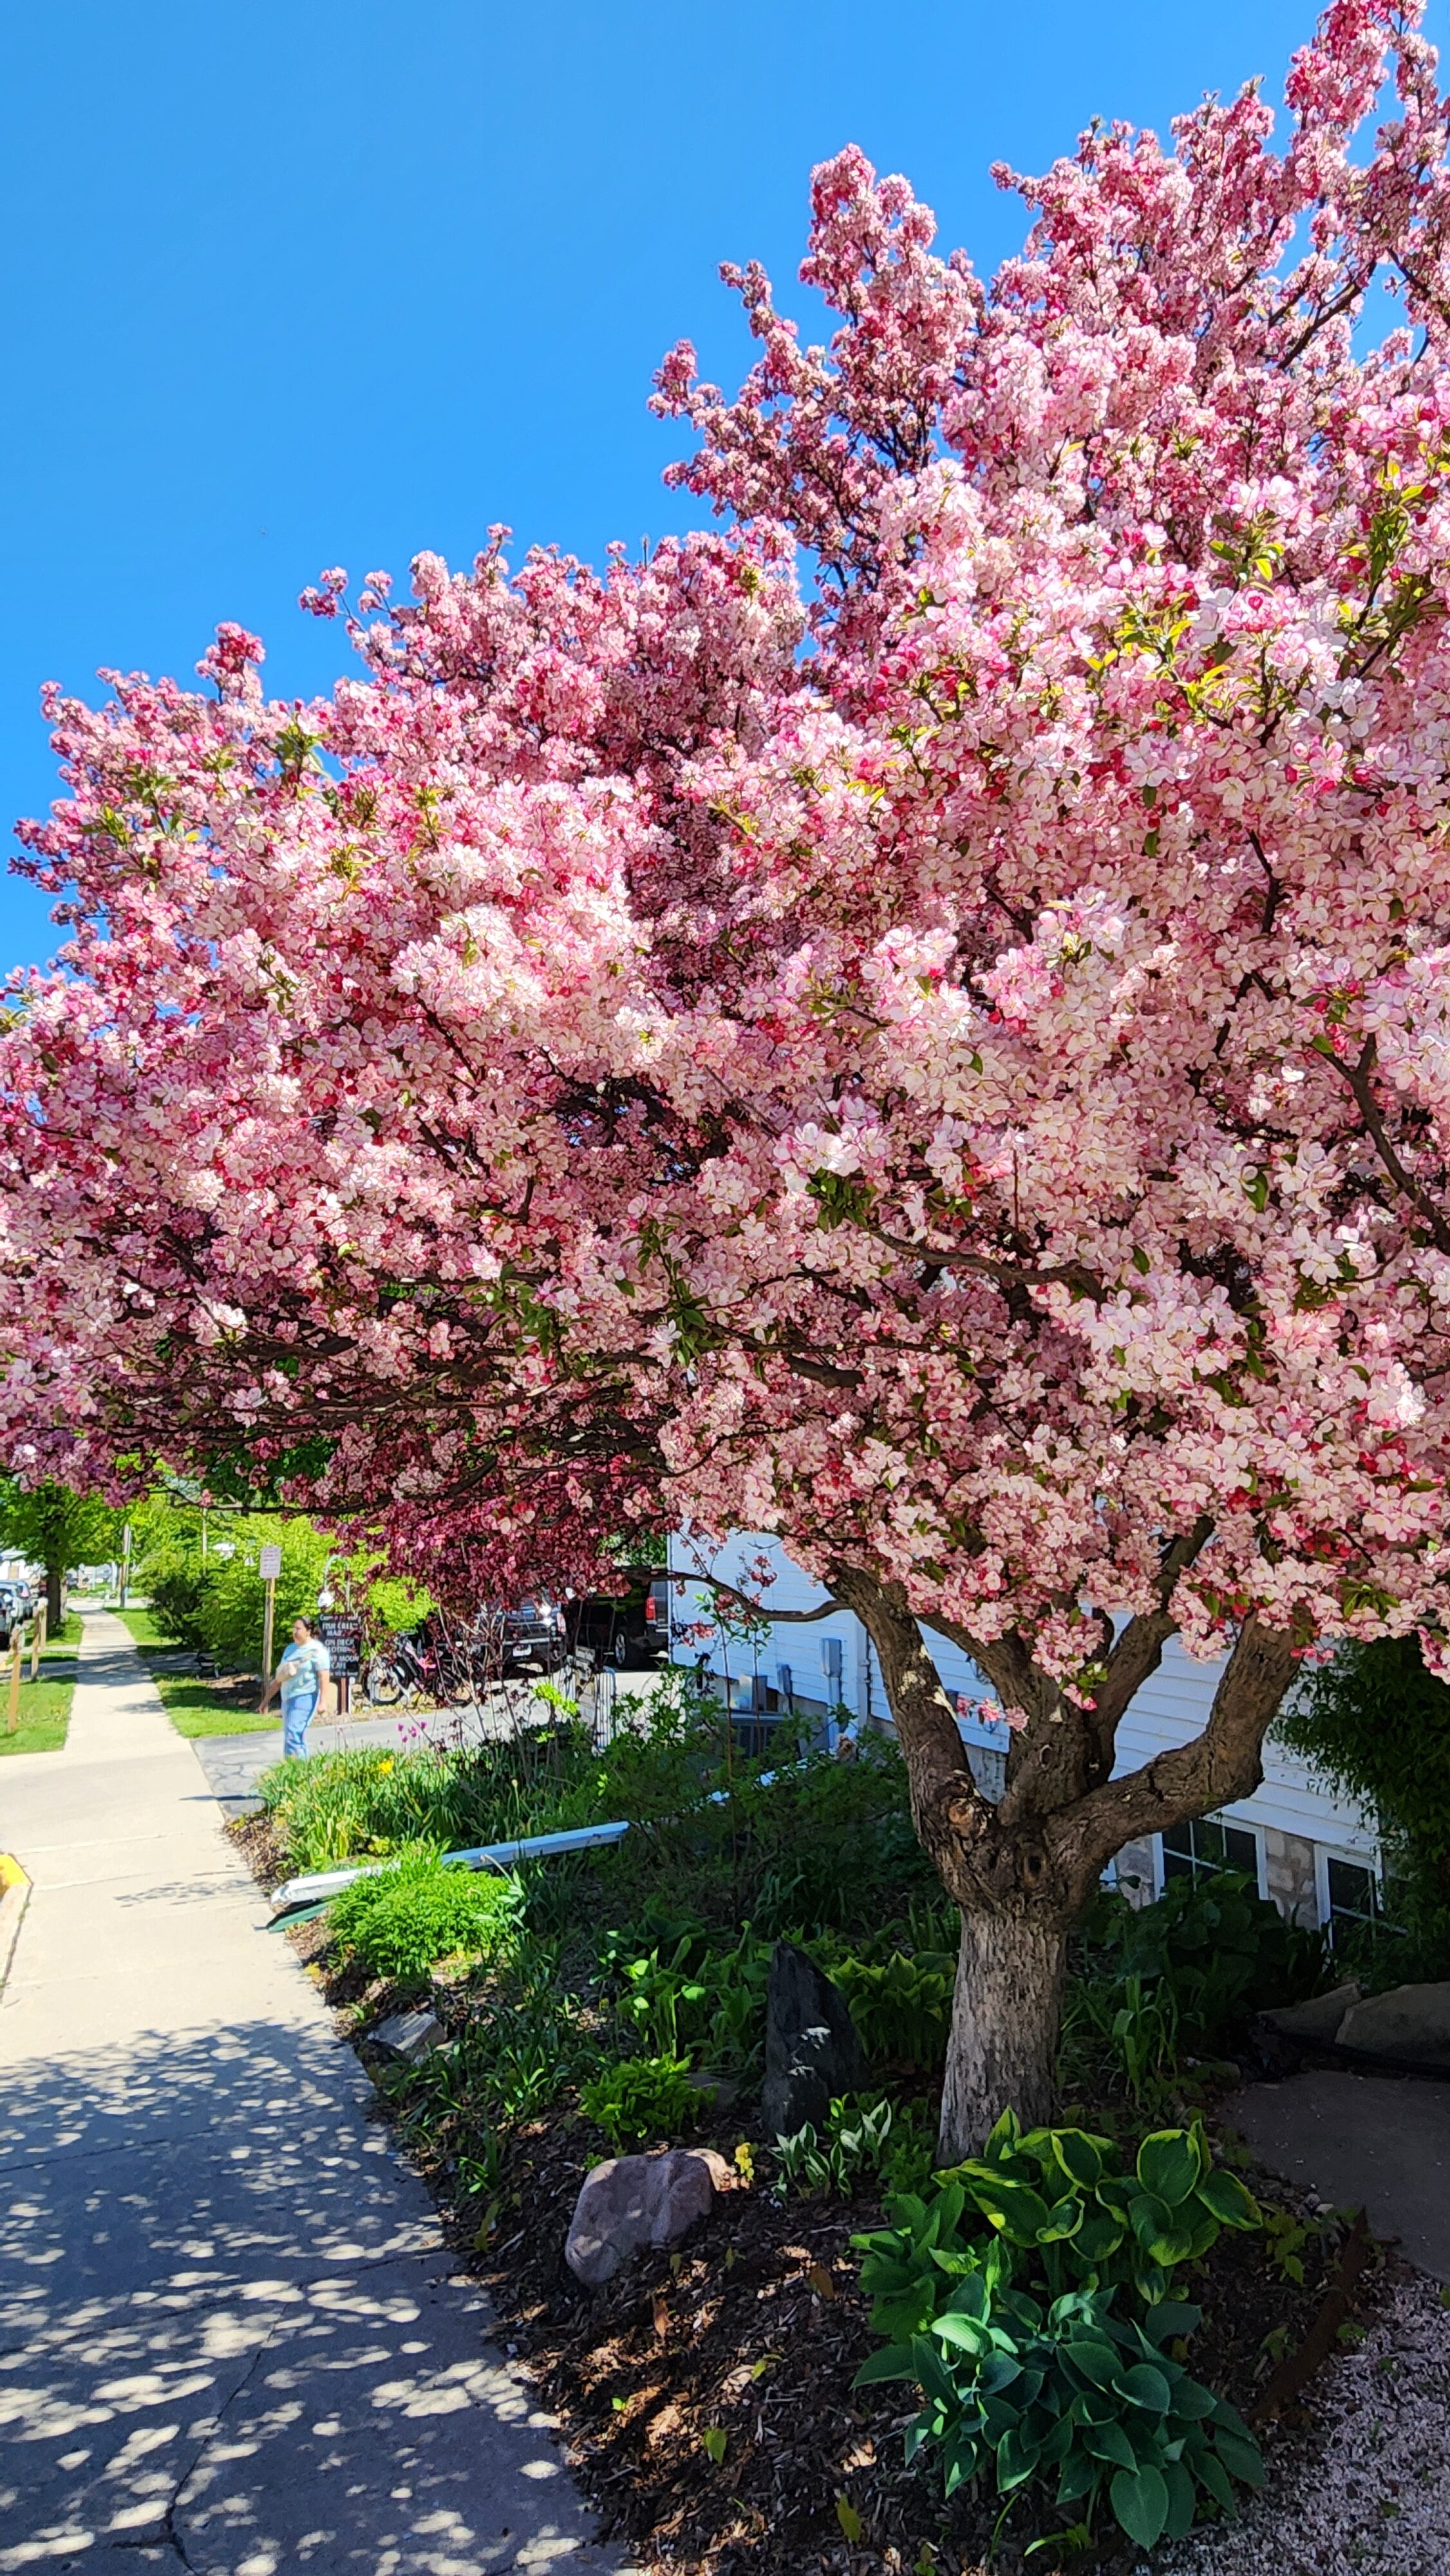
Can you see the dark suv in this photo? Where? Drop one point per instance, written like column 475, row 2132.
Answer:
column 630, row 1629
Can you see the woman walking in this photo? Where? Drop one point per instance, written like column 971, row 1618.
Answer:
column 299, row 1676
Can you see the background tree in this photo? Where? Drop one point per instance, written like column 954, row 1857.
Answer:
column 1375, row 1724
column 953, row 1071
column 54, row 1526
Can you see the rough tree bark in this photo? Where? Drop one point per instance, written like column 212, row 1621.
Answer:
column 1022, row 1871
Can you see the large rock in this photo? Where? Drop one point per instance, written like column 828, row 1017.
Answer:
column 1410, row 2022
column 1318, row 2020
column 812, row 2049
column 409, row 2035
column 629, row 2202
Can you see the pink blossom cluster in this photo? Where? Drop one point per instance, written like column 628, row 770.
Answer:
column 948, row 1064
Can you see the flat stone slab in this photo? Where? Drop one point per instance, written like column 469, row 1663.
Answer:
column 1380, row 2141
column 410, row 2035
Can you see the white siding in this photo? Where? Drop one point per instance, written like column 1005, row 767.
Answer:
column 1169, row 1710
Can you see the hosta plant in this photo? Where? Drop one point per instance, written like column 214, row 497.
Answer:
column 1060, row 2213
column 1070, row 2395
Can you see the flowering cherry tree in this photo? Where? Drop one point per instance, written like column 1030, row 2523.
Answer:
column 947, row 1062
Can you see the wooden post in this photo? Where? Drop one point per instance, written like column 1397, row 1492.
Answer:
column 37, row 1640
column 269, row 1599
column 12, row 1714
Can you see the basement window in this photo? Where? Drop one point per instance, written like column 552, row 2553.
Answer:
column 1196, row 1849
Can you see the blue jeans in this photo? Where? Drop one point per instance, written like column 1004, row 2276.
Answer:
column 297, row 1716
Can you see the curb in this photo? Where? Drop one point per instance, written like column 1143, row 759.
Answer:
column 14, row 1897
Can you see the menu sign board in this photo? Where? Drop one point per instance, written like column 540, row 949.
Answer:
column 341, row 1632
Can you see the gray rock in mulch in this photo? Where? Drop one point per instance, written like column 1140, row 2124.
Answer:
column 1410, row 2022
column 1369, row 2495
column 812, row 2048
column 1319, row 2018
column 409, row 2035
column 629, row 2202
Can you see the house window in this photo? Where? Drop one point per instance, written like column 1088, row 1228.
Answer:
column 1357, row 1902
column 1195, row 1849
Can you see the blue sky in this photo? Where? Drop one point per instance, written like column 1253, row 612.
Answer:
column 331, row 282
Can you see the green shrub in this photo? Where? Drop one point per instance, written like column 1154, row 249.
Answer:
column 1375, row 1725
column 640, row 2098
column 902, row 2007
column 997, row 2293
column 1185, row 1973
column 1061, row 2214
column 1071, row 2395
column 400, row 1919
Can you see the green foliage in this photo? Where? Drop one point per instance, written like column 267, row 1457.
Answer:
column 685, row 1993
column 640, row 2098
column 822, row 1846
column 403, row 1917
column 901, row 2006
column 1375, row 1725
column 864, row 2141
column 53, row 1526
column 1060, row 2211
column 1181, row 1976
column 997, row 2292
column 1067, row 2393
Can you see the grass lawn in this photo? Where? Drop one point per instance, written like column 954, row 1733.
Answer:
column 225, row 1706
column 44, row 1716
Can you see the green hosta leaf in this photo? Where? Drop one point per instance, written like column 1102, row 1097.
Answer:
column 1212, row 2474
column 1140, row 2501
column 1098, row 2238
column 1110, row 2442
column 964, row 2334
column 1098, row 2362
column 1168, row 2165
column 1231, row 2204
column 1192, row 2402
column 1147, row 2387
column 1182, row 2500
column 1017, row 2457
column 1001, row 2371
column 894, row 2361
column 1171, row 2317
column 1013, row 2206
column 1063, row 2221
column 1242, row 2458
column 1081, row 2157
column 970, row 2298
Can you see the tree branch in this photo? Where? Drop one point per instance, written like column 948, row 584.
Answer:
column 1220, row 1765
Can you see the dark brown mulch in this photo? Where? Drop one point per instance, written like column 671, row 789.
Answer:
column 755, row 2329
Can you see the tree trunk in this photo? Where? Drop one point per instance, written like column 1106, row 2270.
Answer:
column 54, row 1610
column 1005, row 2017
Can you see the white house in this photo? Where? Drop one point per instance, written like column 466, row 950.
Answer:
column 1315, row 1854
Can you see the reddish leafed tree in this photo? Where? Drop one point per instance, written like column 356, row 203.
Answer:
column 951, row 1068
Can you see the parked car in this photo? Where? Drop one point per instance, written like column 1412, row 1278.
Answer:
column 14, row 1611
column 533, row 1636
column 629, row 1629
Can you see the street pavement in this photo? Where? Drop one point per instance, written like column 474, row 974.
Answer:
column 231, row 2337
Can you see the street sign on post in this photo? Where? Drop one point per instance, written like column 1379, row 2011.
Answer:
column 269, row 1566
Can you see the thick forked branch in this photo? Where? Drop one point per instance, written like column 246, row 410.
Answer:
column 1223, row 1763
column 948, row 1809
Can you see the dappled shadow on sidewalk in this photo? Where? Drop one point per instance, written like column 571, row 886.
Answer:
column 229, row 2329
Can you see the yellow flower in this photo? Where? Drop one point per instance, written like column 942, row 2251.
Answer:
column 386, row 1763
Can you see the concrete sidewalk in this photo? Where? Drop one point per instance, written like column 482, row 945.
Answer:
column 231, row 2338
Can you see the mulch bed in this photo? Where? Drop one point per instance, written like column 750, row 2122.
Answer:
column 754, row 2330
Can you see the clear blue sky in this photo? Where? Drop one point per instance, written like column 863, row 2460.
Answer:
column 333, row 281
